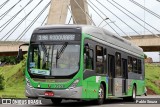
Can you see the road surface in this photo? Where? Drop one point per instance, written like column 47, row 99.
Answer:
column 107, row 103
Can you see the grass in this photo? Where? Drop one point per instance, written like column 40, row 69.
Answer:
column 14, row 81
column 152, row 77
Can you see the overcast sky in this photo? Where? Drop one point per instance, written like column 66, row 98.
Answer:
column 153, row 5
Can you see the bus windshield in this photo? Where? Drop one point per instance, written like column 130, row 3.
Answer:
column 54, row 60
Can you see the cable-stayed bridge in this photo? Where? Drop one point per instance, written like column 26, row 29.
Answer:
column 19, row 17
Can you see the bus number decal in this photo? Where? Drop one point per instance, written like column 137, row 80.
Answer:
column 59, row 86
column 98, row 78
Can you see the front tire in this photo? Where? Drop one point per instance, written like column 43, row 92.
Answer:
column 101, row 95
column 56, row 101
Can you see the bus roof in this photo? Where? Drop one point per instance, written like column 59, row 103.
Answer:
column 101, row 34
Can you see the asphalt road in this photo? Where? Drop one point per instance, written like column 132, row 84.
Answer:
column 107, row 103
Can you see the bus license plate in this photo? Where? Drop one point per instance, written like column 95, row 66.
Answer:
column 49, row 93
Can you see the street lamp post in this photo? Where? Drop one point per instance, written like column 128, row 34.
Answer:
column 103, row 20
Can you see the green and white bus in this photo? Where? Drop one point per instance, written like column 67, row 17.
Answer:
column 82, row 62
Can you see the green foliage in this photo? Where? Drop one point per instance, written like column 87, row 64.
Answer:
column 14, row 80
column 152, row 77
column 145, row 56
column 8, row 59
column 1, row 82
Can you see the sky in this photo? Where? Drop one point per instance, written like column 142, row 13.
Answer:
column 153, row 5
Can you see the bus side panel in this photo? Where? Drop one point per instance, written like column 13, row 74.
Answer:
column 130, row 87
column 91, row 87
column 118, row 87
column 140, row 86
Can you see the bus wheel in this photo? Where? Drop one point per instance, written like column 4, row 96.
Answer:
column 134, row 92
column 133, row 97
column 56, row 101
column 101, row 95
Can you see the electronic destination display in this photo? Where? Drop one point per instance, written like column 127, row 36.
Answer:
column 55, row 37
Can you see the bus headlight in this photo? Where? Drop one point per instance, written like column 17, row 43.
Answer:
column 28, row 83
column 74, row 84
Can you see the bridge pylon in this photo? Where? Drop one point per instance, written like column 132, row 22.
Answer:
column 59, row 9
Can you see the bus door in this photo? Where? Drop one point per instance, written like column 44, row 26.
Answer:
column 124, row 76
column 111, row 74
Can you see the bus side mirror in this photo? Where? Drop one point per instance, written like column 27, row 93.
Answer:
column 88, row 48
column 20, row 55
column 20, row 52
column 91, row 53
column 87, row 45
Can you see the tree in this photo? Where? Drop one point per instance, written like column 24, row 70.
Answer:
column 8, row 59
column 1, row 82
column 145, row 56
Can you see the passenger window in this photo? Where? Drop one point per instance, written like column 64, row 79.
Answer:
column 139, row 67
column 99, row 60
column 111, row 66
column 135, row 65
column 130, row 64
column 118, row 65
column 105, row 61
column 88, row 58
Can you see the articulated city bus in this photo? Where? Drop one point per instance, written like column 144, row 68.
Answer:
column 82, row 62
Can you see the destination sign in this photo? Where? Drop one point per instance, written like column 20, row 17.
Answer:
column 55, row 37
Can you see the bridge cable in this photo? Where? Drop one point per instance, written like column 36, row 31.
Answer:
column 33, row 21
column 3, row 4
column 104, row 20
column 110, row 19
column 62, row 5
column 70, row 20
column 5, row 13
column 67, row 11
column 89, row 17
column 71, row 14
column 17, row 25
column 44, row 20
column 117, row 17
column 13, row 17
column 136, row 16
column 146, row 9
column 132, row 18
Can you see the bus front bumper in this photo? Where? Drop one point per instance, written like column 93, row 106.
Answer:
column 75, row 93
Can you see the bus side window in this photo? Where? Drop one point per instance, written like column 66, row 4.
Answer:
column 88, row 58
column 130, row 64
column 105, row 61
column 99, row 60
column 111, row 66
column 139, row 67
column 118, row 65
column 135, row 65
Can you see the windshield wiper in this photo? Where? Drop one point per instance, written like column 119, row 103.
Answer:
column 61, row 50
column 59, row 53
